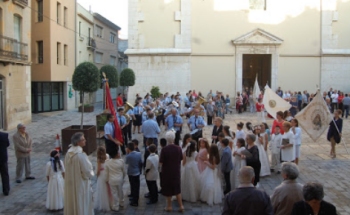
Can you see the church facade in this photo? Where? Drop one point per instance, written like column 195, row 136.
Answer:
column 223, row 45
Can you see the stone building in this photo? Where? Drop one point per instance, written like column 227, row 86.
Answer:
column 106, row 51
column 222, row 44
column 15, row 60
column 53, row 55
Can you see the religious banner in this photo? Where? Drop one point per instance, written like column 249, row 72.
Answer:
column 273, row 103
column 117, row 131
column 315, row 117
column 256, row 90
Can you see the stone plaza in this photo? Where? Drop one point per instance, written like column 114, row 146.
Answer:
column 28, row 197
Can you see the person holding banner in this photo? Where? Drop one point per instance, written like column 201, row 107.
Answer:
column 334, row 131
column 109, row 129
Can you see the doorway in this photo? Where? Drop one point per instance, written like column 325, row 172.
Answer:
column 47, row 96
column 256, row 64
column 2, row 114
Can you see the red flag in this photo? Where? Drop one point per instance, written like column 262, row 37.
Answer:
column 117, row 131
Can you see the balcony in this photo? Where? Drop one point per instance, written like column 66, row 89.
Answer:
column 12, row 51
column 21, row 3
column 91, row 44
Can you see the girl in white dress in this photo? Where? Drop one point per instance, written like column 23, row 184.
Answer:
column 297, row 138
column 265, row 138
column 190, row 174
column 260, row 142
column 103, row 197
column 229, row 135
column 211, row 189
column 238, row 162
column 240, row 132
column 55, row 176
column 288, row 144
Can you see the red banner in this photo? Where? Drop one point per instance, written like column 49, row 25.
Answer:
column 109, row 105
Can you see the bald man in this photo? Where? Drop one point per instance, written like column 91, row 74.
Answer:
column 246, row 199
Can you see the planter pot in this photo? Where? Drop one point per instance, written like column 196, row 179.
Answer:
column 87, row 109
column 89, row 134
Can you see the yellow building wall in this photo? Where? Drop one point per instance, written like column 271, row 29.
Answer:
column 341, row 27
column 213, row 73
column 159, row 26
column 299, row 73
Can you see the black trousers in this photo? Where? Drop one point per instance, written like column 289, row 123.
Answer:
column 153, row 190
column 5, row 177
column 125, row 138
column 334, row 106
column 110, row 146
column 210, row 120
column 177, row 137
column 135, row 188
column 129, row 129
column 228, row 183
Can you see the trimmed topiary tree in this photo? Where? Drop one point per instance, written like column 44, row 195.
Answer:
column 111, row 74
column 155, row 93
column 127, row 78
column 86, row 79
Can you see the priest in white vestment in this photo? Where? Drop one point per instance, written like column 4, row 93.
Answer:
column 77, row 186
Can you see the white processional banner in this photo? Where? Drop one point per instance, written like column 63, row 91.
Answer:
column 256, row 90
column 273, row 103
column 315, row 117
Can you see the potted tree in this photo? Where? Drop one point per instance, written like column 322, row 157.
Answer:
column 86, row 79
column 112, row 77
column 127, row 78
column 155, row 93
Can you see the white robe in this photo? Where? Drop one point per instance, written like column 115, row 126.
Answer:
column 77, row 186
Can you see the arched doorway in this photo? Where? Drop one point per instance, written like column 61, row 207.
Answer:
column 2, row 105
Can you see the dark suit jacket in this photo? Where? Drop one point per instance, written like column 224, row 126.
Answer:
column 333, row 131
column 303, row 208
column 216, row 132
column 4, row 143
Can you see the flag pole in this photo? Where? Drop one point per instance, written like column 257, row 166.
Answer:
column 339, row 134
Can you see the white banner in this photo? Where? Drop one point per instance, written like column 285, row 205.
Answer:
column 315, row 117
column 273, row 103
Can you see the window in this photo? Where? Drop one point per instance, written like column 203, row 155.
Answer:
column 99, row 31
column 17, row 27
column 65, row 55
column 257, row 4
column 112, row 61
column 65, row 13
column 58, row 13
column 111, row 38
column 40, row 46
column 58, row 53
column 40, row 10
column 98, row 57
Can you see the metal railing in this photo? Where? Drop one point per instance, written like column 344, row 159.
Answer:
column 22, row 3
column 12, row 49
column 92, row 43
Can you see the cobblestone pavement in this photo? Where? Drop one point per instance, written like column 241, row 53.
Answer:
column 29, row 197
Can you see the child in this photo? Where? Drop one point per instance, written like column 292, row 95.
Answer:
column 55, row 177
column 221, row 136
column 136, row 143
column 134, row 161
column 211, row 190
column 238, row 162
column 163, row 143
column 260, row 111
column 275, row 147
column 115, row 174
column 240, row 132
column 103, row 195
column 151, row 174
column 203, row 154
column 260, row 143
column 226, row 165
column 149, row 141
column 190, row 174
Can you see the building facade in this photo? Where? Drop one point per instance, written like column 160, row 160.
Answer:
column 15, row 60
column 53, row 55
column 222, row 45
column 106, row 51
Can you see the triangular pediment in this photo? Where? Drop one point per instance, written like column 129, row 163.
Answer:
column 259, row 37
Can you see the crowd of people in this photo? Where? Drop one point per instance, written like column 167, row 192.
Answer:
column 226, row 170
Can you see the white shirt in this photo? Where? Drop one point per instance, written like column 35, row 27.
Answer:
column 334, row 97
column 152, row 163
column 275, row 143
column 297, row 136
column 115, row 171
column 239, row 134
column 288, row 154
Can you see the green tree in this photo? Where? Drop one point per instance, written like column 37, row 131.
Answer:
column 86, row 79
column 111, row 74
column 127, row 78
column 155, row 92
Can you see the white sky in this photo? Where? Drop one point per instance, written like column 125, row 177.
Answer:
column 114, row 10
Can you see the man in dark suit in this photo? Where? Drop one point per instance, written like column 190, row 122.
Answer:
column 4, row 143
column 217, row 129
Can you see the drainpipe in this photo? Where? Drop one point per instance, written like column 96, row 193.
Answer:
column 76, row 47
column 321, row 40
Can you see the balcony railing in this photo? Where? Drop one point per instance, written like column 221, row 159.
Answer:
column 22, row 3
column 91, row 44
column 13, row 50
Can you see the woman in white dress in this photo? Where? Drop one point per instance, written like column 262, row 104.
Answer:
column 103, row 196
column 288, row 144
column 55, row 176
column 297, row 138
column 211, row 189
column 238, row 162
column 265, row 138
column 259, row 142
column 190, row 174
column 186, row 141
